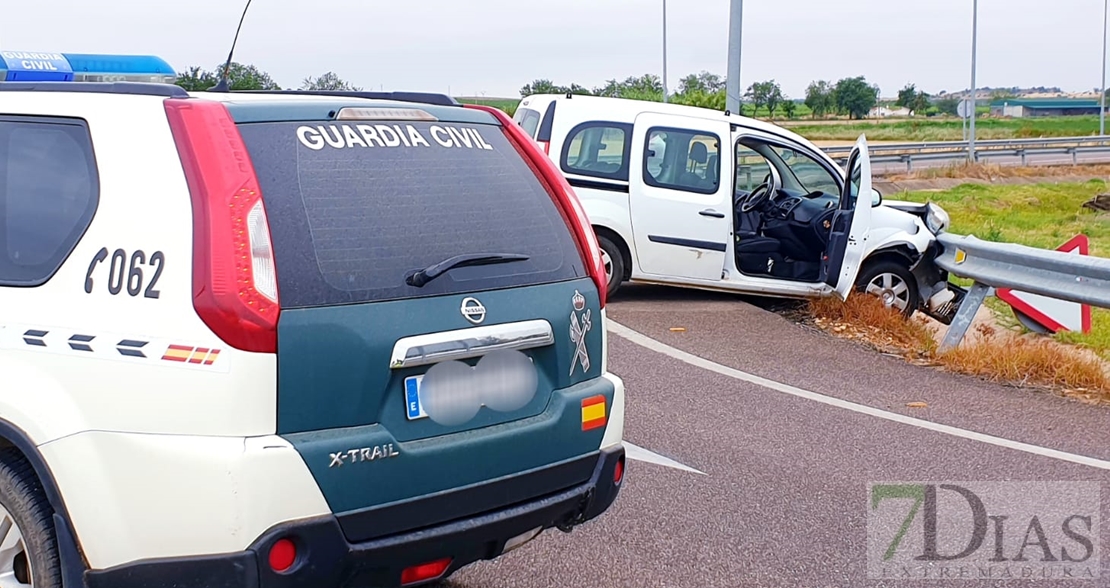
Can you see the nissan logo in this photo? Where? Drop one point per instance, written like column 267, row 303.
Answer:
column 473, row 311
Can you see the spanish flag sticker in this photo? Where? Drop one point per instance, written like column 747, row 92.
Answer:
column 593, row 413
column 178, row 353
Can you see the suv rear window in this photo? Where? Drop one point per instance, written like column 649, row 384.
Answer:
column 355, row 207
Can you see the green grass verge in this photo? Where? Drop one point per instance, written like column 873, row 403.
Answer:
column 1040, row 215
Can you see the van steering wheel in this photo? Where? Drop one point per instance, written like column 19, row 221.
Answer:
column 761, row 194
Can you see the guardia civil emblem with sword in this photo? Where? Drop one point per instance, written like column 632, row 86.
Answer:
column 578, row 330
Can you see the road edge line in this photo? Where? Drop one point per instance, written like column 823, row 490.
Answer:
column 697, row 361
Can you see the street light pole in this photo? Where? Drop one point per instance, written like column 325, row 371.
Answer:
column 1102, row 96
column 664, row 50
column 732, row 77
column 973, row 103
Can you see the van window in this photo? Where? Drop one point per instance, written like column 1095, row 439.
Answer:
column 528, row 119
column 355, row 208
column 801, row 174
column 598, row 149
column 682, row 159
column 49, row 189
column 751, row 169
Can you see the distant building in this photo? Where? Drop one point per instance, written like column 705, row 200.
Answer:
column 883, row 112
column 1032, row 107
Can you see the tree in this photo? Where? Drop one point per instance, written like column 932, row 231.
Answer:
column 239, row 77
column 248, row 77
column 789, row 107
column 774, row 96
column 948, row 106
column 906, row 96
column 328, row 81
column 820, row 97
column 704, row 82
column 645, row 87
column 549, row 87
column 855, row 97
column 910, row 98
column 765, row 93
column 540, row 87
column 196, row 80
column 611, row 89
column 921, row 103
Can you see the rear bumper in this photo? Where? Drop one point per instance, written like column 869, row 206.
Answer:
column 326, row 558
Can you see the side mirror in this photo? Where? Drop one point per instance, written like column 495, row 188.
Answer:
column 876, row 197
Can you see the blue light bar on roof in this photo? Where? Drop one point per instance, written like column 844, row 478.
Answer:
column 27, row 66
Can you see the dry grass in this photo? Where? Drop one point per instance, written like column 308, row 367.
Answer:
column 991, row 172
column 1000, row 357
column 1029, row 360
column 865, row 318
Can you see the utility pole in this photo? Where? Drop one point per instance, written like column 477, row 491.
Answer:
column 732, row 77
column 973, row 103
column 664, row 50
column 1102, row 96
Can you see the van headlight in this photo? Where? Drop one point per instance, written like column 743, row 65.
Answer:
column 936, row 218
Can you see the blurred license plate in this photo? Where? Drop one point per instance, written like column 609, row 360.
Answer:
column 413, row 409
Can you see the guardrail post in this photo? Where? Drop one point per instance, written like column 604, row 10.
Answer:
column 1022, row 154
column 909, row 162
column 1074, row 156
column 969, row 307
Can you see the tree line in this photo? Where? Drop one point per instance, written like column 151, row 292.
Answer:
column 249, row 77
column 853, row 97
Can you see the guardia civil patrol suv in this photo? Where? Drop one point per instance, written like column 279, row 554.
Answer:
column 288, row 339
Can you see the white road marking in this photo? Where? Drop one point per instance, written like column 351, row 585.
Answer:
column 640, row 454
column 659, row 347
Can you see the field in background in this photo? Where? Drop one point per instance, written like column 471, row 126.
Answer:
column 1038, row 215
column 507, row 104
column 947, row 129
column 827, row 132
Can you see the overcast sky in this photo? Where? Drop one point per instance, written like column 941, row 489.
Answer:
column 471, row 47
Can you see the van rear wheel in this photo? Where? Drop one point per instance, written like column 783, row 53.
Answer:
column 613, row 261
column 28, row 546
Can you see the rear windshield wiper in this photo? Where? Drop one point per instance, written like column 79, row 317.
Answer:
column 422, row 277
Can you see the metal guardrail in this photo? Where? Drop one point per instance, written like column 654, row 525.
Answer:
column 1063, row 276
column 908, row 152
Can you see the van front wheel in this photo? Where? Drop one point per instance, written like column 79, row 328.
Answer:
column 892, row 283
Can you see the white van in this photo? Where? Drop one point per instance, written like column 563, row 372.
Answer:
column 770, row 215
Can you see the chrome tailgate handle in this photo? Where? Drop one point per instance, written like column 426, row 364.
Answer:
column 467, row 343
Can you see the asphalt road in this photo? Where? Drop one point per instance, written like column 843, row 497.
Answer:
column 780, row 496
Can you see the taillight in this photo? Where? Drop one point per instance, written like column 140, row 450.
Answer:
column 561, row 192
column 283, row 554
column 424, row 572
column 235, row 288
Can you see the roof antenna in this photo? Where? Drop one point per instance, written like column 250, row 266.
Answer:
column 222, row 86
